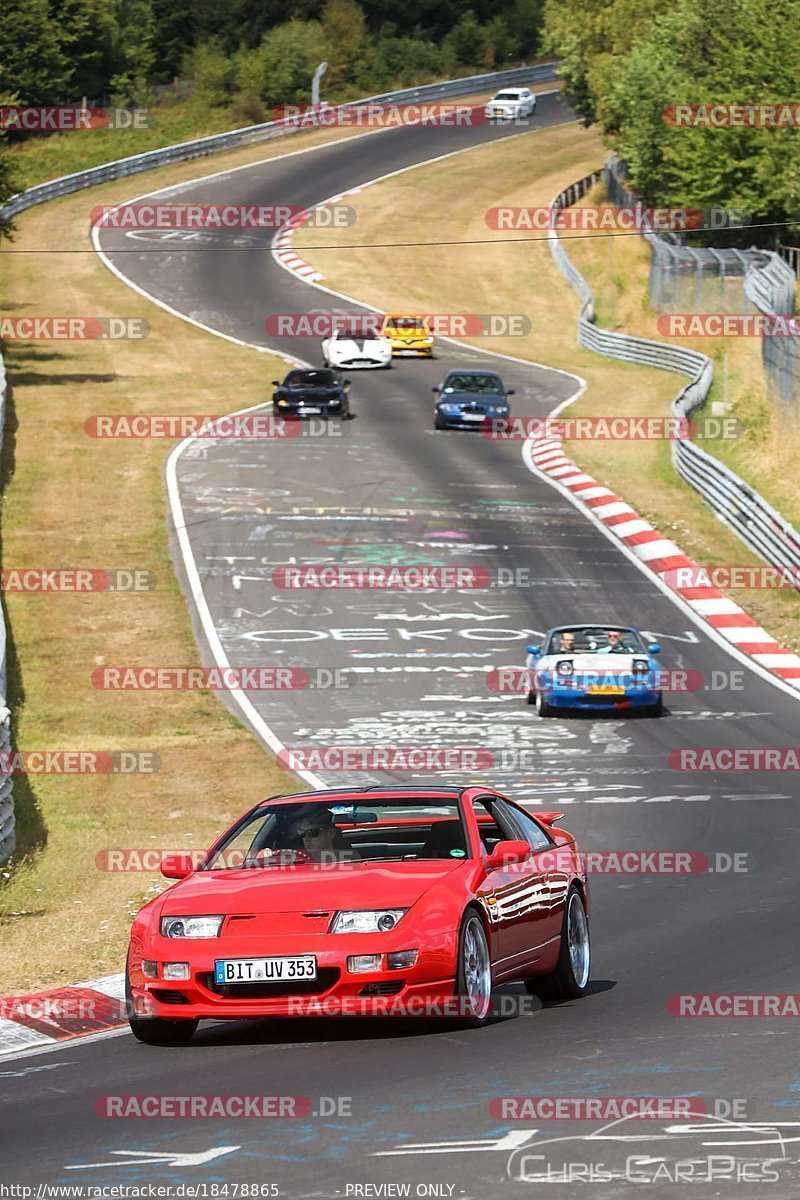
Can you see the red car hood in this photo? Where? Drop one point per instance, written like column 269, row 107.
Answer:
column 300, row 889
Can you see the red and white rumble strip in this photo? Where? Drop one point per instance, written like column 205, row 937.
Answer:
column 62, row 1013
column 282, row 242
column 664, row 558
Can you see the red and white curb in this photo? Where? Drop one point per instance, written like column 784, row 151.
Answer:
column 664, row 558
column 282, row 250
column 62, row 1013
column 286, row 256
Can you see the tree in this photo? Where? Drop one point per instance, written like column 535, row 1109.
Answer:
column 30, row 52
column 176, row 26
column 588, row 36
column 8, row 187
column 280, row 70
column 212, row 71
column 86, row 37
column 134, row 51
column 465, row 43
column 348, row 47
column 736, row 52
column 8, row 181
column 404, row 61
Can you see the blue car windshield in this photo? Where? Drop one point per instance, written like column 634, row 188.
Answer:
column 595, row 639
column 481, row 385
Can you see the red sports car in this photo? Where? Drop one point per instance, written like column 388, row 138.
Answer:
column 395, row 900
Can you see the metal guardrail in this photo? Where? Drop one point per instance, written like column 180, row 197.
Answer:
column 252, row 134
column 6, row 786
column 184, row 152
column 742, row 509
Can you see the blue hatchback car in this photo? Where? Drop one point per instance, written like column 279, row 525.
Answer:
column 467, row 398
column 596, row 667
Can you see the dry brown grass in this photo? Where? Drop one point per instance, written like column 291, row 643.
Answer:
column 73, row 501
column 512, row 272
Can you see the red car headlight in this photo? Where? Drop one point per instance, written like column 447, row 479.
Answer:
column 191, row 927
column 379, row 920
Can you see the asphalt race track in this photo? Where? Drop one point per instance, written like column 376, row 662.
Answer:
column 385, row 488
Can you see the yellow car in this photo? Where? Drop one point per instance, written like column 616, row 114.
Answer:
column 408, row 334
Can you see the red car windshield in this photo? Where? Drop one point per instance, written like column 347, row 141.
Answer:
column 287, row 834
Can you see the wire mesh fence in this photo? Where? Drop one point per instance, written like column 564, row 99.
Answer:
column 704, row 279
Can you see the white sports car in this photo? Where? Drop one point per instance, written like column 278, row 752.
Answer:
column 510, row 103
column 357, row 353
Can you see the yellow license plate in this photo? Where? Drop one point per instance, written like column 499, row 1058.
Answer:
column 605, row 689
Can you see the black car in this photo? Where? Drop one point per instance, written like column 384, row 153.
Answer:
column 312, row 392
column 467, row 398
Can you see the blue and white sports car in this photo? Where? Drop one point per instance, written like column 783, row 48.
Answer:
column 594, row 667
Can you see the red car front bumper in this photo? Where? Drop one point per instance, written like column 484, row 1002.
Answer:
column 422, row 990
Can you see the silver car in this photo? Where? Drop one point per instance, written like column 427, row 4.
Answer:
column 510, row 103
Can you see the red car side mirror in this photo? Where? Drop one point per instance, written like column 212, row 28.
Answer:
column 177, row 866
column 548, row 818
column 506, row 853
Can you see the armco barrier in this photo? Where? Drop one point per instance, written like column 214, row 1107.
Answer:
column 183, row 152
column 755, row 521
column 6, row 797
column 252, row 134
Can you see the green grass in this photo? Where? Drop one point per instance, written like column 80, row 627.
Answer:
column 41, row 158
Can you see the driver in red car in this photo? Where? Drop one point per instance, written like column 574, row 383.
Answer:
column 321, row 838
